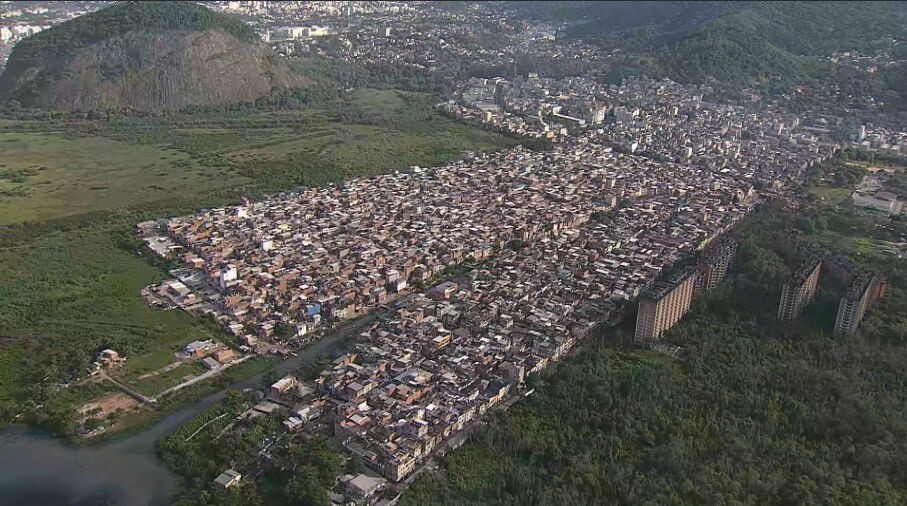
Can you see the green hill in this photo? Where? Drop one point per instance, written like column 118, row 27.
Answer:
column 778, row 42
column 128, row 17
column 145, row 56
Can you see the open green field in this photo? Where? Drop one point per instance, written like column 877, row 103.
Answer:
column 71, row 192
column 156, row 384
column 49, row 175
column 66, row 295
column 831, row 195
column 76, row 168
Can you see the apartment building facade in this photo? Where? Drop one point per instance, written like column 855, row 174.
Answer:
column 663, row 305
column 799, row 290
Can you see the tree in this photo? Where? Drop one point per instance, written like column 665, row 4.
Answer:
column 303, row 489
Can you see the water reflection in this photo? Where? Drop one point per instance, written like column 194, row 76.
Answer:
column 36, row 470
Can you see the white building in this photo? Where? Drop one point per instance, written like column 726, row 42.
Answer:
column 229, row 274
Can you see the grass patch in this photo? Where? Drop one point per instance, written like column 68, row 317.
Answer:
column 831, row 195
column 156, row 384
column 54, row 176
column 247, row 369
column 65, row 295
column 12, row 371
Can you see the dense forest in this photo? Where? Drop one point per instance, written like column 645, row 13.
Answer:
column 753, row 413
column 777, row 42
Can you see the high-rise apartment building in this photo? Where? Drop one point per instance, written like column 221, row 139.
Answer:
column 799, row 290
column 663, row 305
column 862, row 292
column 713, row 264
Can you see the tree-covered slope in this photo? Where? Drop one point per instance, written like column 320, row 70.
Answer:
column 145, row 56
column 778, row 42
column 648, row 23
column 126, row 17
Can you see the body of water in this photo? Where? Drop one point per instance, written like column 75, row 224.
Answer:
column 37, row 470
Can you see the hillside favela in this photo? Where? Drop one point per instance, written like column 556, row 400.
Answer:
column 453, row 253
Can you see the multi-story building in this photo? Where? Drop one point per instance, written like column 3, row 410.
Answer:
column 713, row 264
column 799, row 290
column 663, row 305
column 862, row 292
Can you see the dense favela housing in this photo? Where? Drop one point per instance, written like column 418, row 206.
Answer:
column 554, row 243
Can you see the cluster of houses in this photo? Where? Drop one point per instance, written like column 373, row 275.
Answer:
column 658, row 119
column 330, row 254
column 553, row 244
column 532, row 107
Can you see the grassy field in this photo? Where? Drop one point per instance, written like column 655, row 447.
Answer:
column 156, row 384
column 72, row 191
column 50, row 175
column 831, row 195
column 65, row 295
column 130, row 162
column 848, row 228
column 12, row 370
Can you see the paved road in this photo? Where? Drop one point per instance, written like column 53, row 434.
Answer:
column 201, row 377
column 129, row 391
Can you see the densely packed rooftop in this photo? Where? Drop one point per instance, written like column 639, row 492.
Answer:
column 553, row 242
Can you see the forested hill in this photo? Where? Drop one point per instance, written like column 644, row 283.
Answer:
column 732, row 45
column 624, row 24
column 779, row 41
column 129, row 17
column 144, row 56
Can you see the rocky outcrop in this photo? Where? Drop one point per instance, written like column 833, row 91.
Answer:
column 146, row 70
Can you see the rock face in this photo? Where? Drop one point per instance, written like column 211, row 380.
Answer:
column 159, row 65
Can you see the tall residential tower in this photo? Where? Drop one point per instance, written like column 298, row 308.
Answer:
column 799, row 290
column 663, row 305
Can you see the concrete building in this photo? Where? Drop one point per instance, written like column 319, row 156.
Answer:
column 858, row 297
column 713, row 264
column 228, row 276
column 885, row 202
column 228, row 478
column 663, row 305
column 362, row 488
column 196, row 348
column 799, row 290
